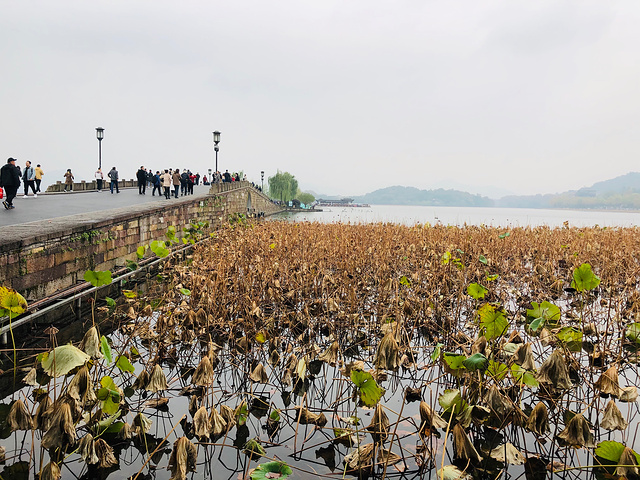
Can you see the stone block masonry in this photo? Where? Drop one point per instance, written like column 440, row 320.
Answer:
column 41, row 258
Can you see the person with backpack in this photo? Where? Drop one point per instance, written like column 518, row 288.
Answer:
column 156, row 184
column 184, row 180
column 113, row 176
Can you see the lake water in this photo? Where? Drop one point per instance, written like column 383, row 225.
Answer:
column 496, row 217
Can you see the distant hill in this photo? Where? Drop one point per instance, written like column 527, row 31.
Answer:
column 398, row 195
column 619, row 193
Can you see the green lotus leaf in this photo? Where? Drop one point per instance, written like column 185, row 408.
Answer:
column 370, row 392
column 497, row 370
column 633, row 332
column 541, row 314
column 455, row 362
column 435, row 355
column 276, row 469
column 609, row 450
column 523, row 376
column 61, row 360
column 159, row 248
column 451, row 401
column 124, row 364
column 584, row 278
column 97, row 279
column 11, row 302
column 571, row 337
column 477, row 291
column 476, row 362
column 493, row 321
column 105, row 348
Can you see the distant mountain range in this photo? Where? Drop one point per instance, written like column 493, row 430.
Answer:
column 620, row 193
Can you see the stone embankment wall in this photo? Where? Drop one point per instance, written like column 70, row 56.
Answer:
column 41, row 258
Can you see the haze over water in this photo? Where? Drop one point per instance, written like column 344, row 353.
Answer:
column 459, row 216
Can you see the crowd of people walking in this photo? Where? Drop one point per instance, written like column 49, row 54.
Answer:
column 166, row 183
column 11, row 177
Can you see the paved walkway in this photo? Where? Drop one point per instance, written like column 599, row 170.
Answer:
column 48, row 206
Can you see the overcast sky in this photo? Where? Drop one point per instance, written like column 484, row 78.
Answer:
column 348, row 96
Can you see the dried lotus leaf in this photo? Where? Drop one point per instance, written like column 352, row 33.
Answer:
column 463, row 447
column 612, row 418
column 305, row 417
column 183, row 459
column 577, row 432
column 538, row 421
column 203, row 375
column 157, row 380
column 554, row 371
column 508, row 454
column 259, row 374
column 379, row 426
column 217, row 422
column 201, row 423
column 608, row 382
column 19, row 417
column 629, row 394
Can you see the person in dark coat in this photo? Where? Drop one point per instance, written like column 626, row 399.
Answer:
column 142, row 181
column 10, row 181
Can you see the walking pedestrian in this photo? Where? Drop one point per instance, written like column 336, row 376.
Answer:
column 68, row 181
column 39, row 174
column 29, row 178
column 191, row 182
column 142, row 181
column 197, row 178
column 156, row 184
column 10, row 181
column 184, row 179
column 176, row 182
column 99, row 179
column 113, row 176
column 166, row 183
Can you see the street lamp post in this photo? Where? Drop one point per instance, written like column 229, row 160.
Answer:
column 216, row 141
column 100, row 136
column 262, row 179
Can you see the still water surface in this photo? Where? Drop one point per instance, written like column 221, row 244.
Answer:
column 496, row 217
